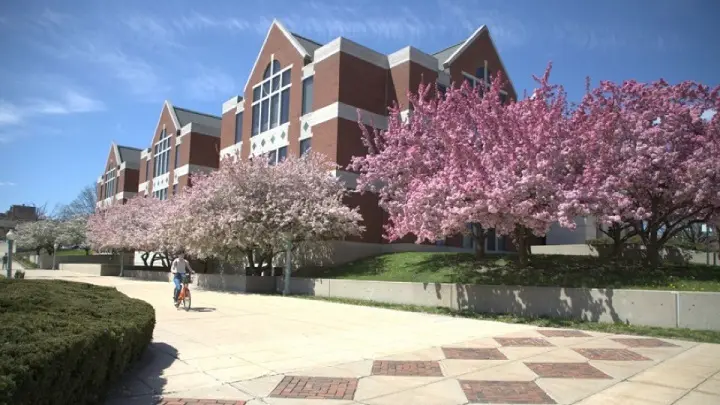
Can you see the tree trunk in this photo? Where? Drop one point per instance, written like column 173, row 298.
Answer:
column 87, row 252
column 522, row 245
column 479, row 234
column 653, row 250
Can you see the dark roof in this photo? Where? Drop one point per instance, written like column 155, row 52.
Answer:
column 129, row 155
column 186, row 116
column 308, row 44
column 443, row 55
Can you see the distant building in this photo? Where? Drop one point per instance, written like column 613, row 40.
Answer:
column 15, row 215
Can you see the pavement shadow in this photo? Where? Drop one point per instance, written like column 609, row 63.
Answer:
column 202, row 309
column 143, row 383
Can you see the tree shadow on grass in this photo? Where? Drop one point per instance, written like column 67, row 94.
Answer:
column 143, row 383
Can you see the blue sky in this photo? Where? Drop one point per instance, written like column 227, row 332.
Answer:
column 78, row 74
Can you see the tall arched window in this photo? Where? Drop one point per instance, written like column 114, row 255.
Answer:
column 271, row 98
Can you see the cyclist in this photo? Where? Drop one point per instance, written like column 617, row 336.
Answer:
column 178, row 268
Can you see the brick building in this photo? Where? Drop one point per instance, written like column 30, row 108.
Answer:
column 301, row 94
column 184, row 142
column 119, row 180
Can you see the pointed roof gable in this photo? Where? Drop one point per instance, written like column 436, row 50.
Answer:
column 301, row 44
column 450, row 54
column 185, row 116
column 126, row 154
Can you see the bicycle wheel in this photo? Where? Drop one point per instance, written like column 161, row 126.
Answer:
column 186, row 300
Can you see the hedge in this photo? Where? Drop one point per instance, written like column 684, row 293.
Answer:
column 66, row 343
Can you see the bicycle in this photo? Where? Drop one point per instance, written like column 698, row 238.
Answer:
column 184, row 294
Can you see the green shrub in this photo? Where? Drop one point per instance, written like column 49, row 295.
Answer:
column 19, row 274
column 66, row 343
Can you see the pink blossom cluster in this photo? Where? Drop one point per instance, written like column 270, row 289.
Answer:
column 628, row 152
column 247, row 206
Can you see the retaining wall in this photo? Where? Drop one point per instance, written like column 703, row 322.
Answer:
column 693, row 310
column 93, row 269
column 213, row 282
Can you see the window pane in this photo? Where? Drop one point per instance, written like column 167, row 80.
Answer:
column 480, row 72
column 271, row 157
column 274, row 110
column 147, row 170
column 307, row 95
column 177, row 155
column 266, row 89
column 470, row 82
column 174, row 189
column 238, row 127
column 285, row 106
column 491, row 240
column 276, row 66
column 255, row 119
column 286, row 77
column 256, row 93
column 264, row 115
column 276, row 83
column 267, row 71
column 305, row 146
column 282, row 154
column 503, row 98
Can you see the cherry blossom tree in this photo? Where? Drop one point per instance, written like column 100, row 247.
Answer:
column 38, row 235
column 71, row 232
column 468, row 158
column 652, row 166
column 249, row 210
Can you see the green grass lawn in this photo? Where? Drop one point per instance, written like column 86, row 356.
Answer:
column 72, row 252
column 544, row 270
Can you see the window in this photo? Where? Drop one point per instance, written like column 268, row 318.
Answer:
column 177, row 155
column 442, row 90
column 271, row 99
column 305, row 146
column 174, row 190
column 147, row 169
column 277, row 156
column 238, row 127
column 161, row 194
column 476, row 82
column 491, row 240
column 162, row 155
column 307, row 95
column 110, row 179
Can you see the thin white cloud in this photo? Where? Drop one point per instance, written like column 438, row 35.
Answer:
column 154, row 29
column 7, row 183
column 69, row 102
column 209, row 85
column 53, row 19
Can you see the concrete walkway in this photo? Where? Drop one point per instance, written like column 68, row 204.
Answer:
column 272, row 350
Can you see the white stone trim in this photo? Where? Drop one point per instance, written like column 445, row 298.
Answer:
column 273, row 140
column 230, row 104
column 308, row 70
column 200, row 129
column 231, row 150
column 352, row 48
column 122, row 167
column 410, row 53
column 302, row 51
column 187, row 169
column 444, row 79
column 160, row 182
column 100, row 180
column 145, row 154
column 143, row 186
column 348, row 112
column 240, row 108
column 349, row 179
column 125, row 194
column 116, row 151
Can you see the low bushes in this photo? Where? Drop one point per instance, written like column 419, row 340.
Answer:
column 66, row 343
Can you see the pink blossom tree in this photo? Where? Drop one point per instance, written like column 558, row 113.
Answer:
column 652, row 166
column 249, row 210
column 468, row 158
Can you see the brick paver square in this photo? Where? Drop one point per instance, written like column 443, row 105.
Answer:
column 523, row 342
column 189, row 401
column 563, row 333
column 566, row 370
column 505, row 392
column 643, row 342
column 407, row 368
column 611, row 354
column 464, row 353
column 315, row 388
